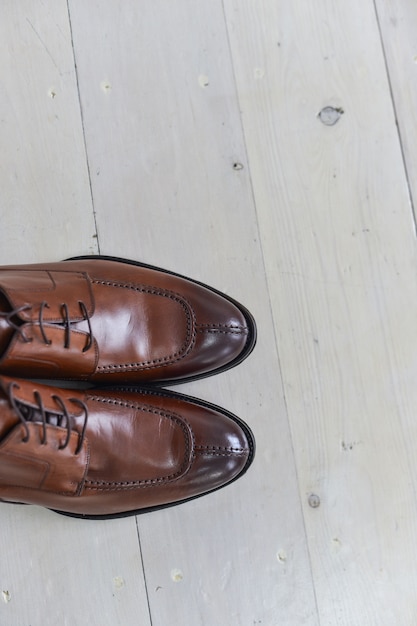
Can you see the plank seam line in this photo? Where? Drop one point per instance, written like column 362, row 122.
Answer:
column 313, row 584
column 394, row 108
column 145, row 582
column 83, row 127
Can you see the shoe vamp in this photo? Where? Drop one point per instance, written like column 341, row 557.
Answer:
column 139, row 326
column 135, row 445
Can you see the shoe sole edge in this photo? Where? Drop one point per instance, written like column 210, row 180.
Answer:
column 160, row 392
column 250, row 320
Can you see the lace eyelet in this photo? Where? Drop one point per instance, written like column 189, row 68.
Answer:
column 67, row 323
column 26, row 417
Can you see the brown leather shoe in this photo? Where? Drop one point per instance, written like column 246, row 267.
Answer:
column 110, row 320
column 111, row 453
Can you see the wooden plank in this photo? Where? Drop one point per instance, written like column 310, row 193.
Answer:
column 53, row 569
column 46, row 202
column 397, row 21
column 58, row 570
column 340, row 254
column 172, row 187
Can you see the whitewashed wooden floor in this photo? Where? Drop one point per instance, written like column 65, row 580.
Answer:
column 188, row 135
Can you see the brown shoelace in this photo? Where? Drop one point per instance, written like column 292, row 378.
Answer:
column 60, row 418
column 19, row 328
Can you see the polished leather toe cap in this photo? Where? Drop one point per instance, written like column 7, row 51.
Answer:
column 223, row 445
column 108, row 320
column 101, row 453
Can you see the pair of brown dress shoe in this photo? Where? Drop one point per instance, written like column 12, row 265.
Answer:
column 121, row 445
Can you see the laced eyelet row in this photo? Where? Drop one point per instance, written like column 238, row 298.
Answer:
column 61, row 415
column 19, row 328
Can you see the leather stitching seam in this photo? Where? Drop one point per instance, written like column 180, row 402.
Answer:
column 103, row 485
column 190, row 338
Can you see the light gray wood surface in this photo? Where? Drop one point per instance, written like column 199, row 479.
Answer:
column 188, row 135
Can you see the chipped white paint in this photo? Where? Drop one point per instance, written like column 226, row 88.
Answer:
column 177, row 575
column 118, row 582
column 106, row 86
column 203, row 81
column 282, row 556
column 335, row 545
column 6, row 596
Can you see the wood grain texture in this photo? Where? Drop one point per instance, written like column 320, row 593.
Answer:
column 162, row 131
column 53, row 570
column 172, row 187
column 397, row 22
column 340, row 255
column 58, row 570
column 189, row 134
column 46, row 210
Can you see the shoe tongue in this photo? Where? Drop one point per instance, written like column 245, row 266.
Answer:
column 6, row 331
column 8, row 417
column 24, row 395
